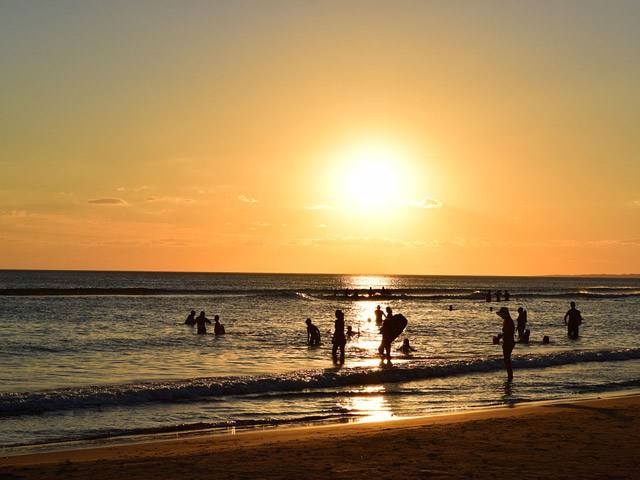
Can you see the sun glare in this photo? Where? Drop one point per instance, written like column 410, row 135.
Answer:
column 371, row 178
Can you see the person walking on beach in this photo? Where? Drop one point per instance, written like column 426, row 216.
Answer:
column 339, row 339
column 218, row 328
column 200, row 321
column 508, row 341
column 521, row 321
column 191, row 319
column 575, row 320
column 313, row 334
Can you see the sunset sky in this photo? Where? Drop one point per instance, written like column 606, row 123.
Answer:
column 418, row 137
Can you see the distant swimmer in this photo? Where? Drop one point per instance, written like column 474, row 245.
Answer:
column 379, row 314
column 218, row 328
column 313, row 334
column 339, row 340
column 450, row 308
column 521, row 321
column 405, row 347
column 575, row 320
column 351, row 333
column 498, row 295
column 191, row 319
column 508, row 341
column 488, row 295
column 507, row 296
column 545, row 339
column 389, row 313
column 200, row 321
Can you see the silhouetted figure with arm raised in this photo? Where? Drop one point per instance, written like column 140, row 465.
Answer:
column 200, row 321
column 508, row 340
column 339, row 339
column 574, row 320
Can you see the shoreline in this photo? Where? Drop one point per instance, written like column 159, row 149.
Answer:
column 175, row 433
column 598, row 437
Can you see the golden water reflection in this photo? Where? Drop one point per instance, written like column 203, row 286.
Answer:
column 368, row 406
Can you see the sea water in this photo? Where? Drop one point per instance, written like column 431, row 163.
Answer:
column 104, row 355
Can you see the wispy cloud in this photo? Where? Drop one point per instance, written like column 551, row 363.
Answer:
column 107, row 201
column 319, row 207
column 242, row 198
column 426, row 202
column 179, row 200
column 14, row 214
column 261, row 224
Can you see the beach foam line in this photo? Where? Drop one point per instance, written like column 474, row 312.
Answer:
column 217, row 388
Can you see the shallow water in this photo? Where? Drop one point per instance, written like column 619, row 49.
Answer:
column 106, row 353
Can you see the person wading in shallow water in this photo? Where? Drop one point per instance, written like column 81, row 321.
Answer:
column 575, row 319
column 339, row 339
column 200, row 321
column 508, row 340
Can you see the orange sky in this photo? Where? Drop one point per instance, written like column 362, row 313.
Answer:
column 484, row 137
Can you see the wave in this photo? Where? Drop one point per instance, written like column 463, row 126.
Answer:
column 215, row 389
column 415, row 294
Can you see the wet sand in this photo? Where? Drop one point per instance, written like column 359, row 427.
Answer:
column 582, row 439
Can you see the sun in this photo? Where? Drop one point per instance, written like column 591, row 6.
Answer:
column 371, row 178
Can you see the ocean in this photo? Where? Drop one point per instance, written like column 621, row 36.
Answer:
column 96, row 357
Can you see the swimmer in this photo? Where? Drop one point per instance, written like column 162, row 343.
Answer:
column 200, row 321
column 405, row 347
column 313, row 334
column 191, row 319
column 218, row 328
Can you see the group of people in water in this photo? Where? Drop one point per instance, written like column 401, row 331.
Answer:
column 573, row 319
column 499, row 295
column 340, row 338
column 201, row 321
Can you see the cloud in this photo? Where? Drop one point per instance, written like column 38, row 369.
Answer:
column 426, row 202
column 106, row 201
column 319, row 207
column 637, row 202
column 14, row 214
column 261, row 224
column 171, row 200
column 242, row 198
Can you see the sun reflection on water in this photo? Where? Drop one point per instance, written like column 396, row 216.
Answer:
column 368, row 406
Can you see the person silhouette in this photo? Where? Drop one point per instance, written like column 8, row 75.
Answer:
column 521, row 321
column 313, row 334
column 507, row 296
column 385, row 343
column 575, row 320
column 379, row 314
column 200, row 321
column 524, row 338
column 508, row 341
column 498, row 295
column 488, row 296
column 191, row 318
column 218, row 328
column 339, row 340
column 389, row 313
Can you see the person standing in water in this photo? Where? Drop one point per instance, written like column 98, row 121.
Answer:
column 200, row 321
column 191, row 319
column 575, row 319
column 508, row 340
column 313, row 334
column 521, row 321
column 339, row 339
column 218, row 328
column 379, row 314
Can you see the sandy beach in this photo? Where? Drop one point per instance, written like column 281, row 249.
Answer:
column 581, row 439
